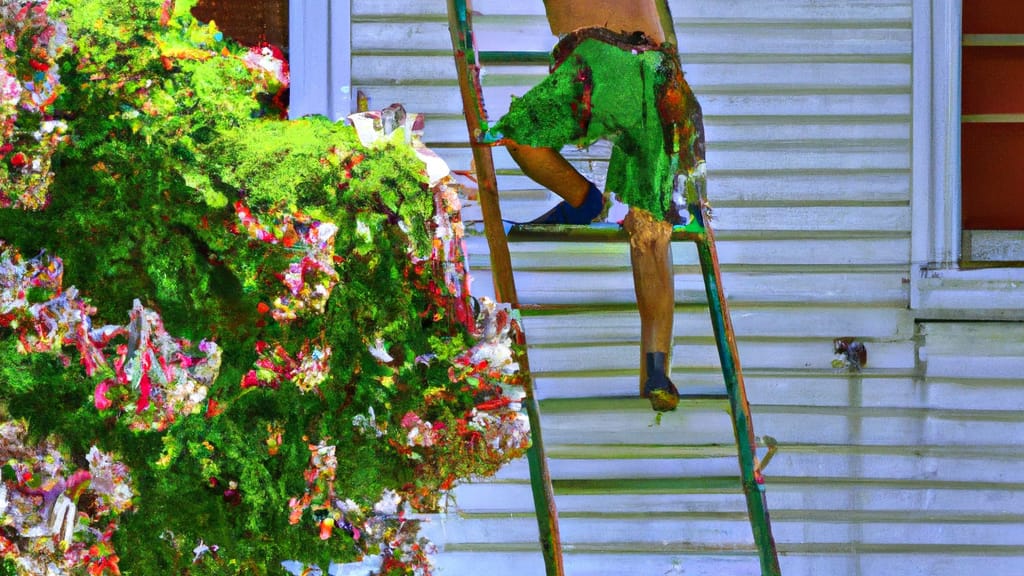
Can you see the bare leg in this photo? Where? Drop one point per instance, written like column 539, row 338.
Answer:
column 650, row 251
column 546, row 167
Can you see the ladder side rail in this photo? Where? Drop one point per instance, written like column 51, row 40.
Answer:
column 468, row 67
column 739, row 407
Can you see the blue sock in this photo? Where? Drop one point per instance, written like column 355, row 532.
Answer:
column 564, row 213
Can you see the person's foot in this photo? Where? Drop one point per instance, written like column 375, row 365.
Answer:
column 565, row 213
column 662, row 393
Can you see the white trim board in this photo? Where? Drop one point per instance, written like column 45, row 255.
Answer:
column 939, row 287
column 320, row 58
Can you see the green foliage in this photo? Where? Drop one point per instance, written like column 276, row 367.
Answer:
column 166, row 137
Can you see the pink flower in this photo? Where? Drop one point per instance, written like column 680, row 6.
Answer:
column 145, row 387
column 410, row 419
column 100, row 395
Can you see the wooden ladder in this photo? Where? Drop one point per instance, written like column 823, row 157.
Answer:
column 698, row 230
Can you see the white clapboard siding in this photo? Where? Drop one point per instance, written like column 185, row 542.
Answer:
column 908, row 467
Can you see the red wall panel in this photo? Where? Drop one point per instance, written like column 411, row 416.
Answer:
column 993, row 79
column 993, row 17
column 992, row 164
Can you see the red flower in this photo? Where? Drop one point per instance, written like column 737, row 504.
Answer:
column 250, row 380
column 213, row 409
column 106, row 565
column 19, row 159
column 494, row 404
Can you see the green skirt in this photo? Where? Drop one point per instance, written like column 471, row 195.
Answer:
column 630, row 91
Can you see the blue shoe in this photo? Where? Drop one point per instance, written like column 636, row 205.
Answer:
column 565, row 213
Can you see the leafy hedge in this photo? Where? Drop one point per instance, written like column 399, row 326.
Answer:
column 258, row 328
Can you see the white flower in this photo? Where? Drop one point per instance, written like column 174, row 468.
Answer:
column 10, row 88
column 4, row 500
column 388, row 504
column 379, row 352
column 363, row 231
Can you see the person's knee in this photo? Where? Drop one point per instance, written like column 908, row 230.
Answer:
column 646, row 233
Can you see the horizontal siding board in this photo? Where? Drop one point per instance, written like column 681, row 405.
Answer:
column 1000, row 298
column 847, row 559
column 768, row 218
column 815, row 157
column 532, row 35
column 668, row 534
column 683, row 10
column 772, row 354
column 445, row 100
column 734, row 131
column 633, row 419
column 781, row 38
column 626, row 470
column 976, row 338
column 858, row 186
column 792, row 10
column 591, row 532
column 971, row 350
column 988, row 393
column 817, row 463
column 967, row 366
column 776, row 129
column 413, row 69
column 554, row 288
column 760, row 322
column 788, row 498
column 816, row 218
column 779, row 251
column 603, row 564
column 823, row 388
column 731, row 188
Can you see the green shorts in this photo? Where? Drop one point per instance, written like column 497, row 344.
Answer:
column 630, row 91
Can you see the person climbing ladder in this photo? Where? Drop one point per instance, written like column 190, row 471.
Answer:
column 613, row 76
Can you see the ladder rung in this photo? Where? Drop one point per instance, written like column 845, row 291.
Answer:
column 509, row 57
column 599, row 232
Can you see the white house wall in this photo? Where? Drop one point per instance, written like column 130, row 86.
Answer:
column 807, row 105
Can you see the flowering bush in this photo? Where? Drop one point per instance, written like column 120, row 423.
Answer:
column 268, row 322
column 29, row 84
column 54, row 521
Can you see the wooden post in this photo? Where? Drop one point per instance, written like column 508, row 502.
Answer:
column 468, row 66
